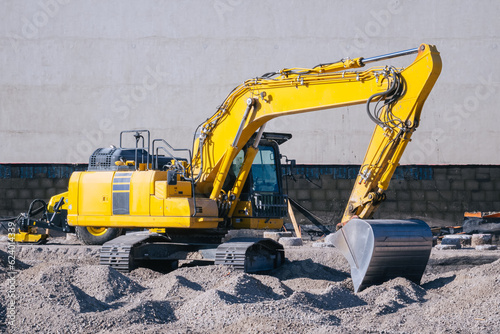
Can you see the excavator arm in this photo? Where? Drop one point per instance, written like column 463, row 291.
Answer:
column 396, row 121
column 393, row 97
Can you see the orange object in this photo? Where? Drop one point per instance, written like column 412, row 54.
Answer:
column 491, row 214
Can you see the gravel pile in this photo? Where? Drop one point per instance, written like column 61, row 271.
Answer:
column 65, row 291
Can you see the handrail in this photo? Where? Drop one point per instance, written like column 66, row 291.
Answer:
column 138, row 136
column 155, row 153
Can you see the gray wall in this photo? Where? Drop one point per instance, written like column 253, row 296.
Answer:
column 75, row 73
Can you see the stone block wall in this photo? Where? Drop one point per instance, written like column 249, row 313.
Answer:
column 437, row 194
column 20, row 184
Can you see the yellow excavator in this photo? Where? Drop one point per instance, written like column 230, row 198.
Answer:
column 231, row 179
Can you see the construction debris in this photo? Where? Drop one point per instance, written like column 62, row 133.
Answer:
column 290, row 241
column 481, row 239
column 449, row 240
column 482, row 222
column 463, row 239
column 276, row 236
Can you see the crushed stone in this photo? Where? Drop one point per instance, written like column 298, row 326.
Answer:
column 62, row 289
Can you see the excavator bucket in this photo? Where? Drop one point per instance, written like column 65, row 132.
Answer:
column 380, row 250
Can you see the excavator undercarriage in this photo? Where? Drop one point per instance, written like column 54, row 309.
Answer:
column 134, row 250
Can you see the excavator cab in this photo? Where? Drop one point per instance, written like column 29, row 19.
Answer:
column 262, row 203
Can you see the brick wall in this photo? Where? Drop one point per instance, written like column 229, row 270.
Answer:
column 438, row 194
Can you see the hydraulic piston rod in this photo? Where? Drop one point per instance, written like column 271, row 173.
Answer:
column 389, row 55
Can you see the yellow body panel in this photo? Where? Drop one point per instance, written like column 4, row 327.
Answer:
column 97, row 184
column 90, row 201
column 156, row 206
column 242, row 218
column 73, row 193
column 243, row 209
column 140, row 189
column 257, row 223
column 54, row 199
column 144, row 221
column 181, row 189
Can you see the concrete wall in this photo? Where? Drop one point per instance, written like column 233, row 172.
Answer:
column 75, row 73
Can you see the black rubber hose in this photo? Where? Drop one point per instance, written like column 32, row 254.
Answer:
column 386, row 93
column 36, row 211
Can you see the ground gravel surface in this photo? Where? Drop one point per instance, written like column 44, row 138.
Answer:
column 60, row 288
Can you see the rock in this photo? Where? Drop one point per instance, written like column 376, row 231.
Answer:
column 464, row 239
column 276, row 236
column 451, row 240
column 71, row 237
column 321, row 244
column 481, row 239
column 443, row 247
column 486, row 247
column 290, row 241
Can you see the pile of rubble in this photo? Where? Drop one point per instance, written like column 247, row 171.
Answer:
column 480, row 242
